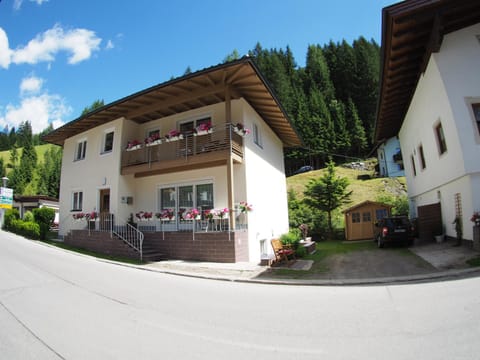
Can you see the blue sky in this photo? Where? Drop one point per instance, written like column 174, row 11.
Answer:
column 58, row 56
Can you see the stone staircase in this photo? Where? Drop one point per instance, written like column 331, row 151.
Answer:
column 150, row 253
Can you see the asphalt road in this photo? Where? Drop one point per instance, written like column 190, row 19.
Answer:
column 59, row 305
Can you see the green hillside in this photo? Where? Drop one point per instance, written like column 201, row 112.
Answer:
column 40, row 149
column 362, row 190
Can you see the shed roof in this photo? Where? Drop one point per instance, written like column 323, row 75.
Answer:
column 411, row 31
column 365, row 203
column 202, row 88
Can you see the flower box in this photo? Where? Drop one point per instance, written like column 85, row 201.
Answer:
column 241, row 130
column 134, row 147
column 202, row 132
column 174, row 138
column 153, row 143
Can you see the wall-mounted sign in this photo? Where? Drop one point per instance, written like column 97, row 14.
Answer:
column 6, row 198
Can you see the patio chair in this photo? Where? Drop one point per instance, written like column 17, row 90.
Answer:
column 281, row 251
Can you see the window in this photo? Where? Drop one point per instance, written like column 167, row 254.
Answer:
column 77, row 201
column 355, row 217
column 367, row 217
column 257, row 139
column 380, row 213
column 188, row 126
column 413, row 166
column 442, row 144
column 81, row 150
column 476, row 114
column 108, row 142
column 422, row 157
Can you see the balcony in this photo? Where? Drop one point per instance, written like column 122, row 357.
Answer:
column 186, row 152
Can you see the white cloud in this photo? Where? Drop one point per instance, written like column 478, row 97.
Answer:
column 31, row 84
column 17, row 4
column 109, row 45
column 39, row 110
column 5, row 52
column 80, row 43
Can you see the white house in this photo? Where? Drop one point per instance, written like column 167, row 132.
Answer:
column 174, row 149
column 430, row 98
column 390, row 160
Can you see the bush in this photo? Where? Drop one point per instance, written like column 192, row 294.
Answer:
column 44, row 218
column 28, row 229
column 10, row 216
column 300, row 252
column 28, row 216
column 291, row 238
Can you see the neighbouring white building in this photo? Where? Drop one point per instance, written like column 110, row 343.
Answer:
column 165, row 153
column 390, row 160
column 430, row 98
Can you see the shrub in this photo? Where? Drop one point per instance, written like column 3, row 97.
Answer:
column 291, row 238
column 28, row 216
column 300, row 252
column 28, row 229
column 10, row 216
column 44, row 218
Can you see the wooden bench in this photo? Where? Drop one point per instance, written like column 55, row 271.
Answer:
column 281, row 251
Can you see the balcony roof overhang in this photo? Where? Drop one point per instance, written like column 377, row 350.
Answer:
column 240, row 79
column 411, row 31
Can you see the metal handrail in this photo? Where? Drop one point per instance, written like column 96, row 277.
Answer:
column 131, row 236
column 220, row 138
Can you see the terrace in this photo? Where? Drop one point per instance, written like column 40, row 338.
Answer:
column 184, row 151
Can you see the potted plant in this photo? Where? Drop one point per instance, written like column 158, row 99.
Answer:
column 131, row 222
column 203, row 129
column 134, row 145
column 240, row 129
column 153, row 140
column 439, row 234
column 173, row 135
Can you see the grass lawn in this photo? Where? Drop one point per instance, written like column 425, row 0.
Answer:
column 327, row 249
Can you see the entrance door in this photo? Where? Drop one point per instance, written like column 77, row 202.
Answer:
column 104, row 201
column 106, row 220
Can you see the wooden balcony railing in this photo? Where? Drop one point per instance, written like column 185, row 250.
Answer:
column 194, row 149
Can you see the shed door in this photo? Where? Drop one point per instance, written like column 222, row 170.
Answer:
column 361, row 225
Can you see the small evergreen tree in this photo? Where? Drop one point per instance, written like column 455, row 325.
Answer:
column 327, row 193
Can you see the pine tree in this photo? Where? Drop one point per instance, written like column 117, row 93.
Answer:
column 327, row 193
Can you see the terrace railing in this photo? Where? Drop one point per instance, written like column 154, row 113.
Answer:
column 219, row 138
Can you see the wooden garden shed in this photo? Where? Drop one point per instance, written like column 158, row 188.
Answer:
column 360, row 219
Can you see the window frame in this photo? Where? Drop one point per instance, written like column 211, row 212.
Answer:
column 80, row 150
column 104, row 141
column 421, row 155
column 414, row 168
column 77, row 200
column 440, row 137
column 257, row 136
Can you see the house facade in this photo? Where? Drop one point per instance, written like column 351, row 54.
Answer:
column 430, row 98
column 390, row 160
column 185, row 158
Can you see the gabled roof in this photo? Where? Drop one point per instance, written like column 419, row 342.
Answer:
column 411, row 31
column 367, row 202
column 195, row 90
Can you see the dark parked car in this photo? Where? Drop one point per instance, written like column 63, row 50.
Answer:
column 303, row 169
column 395, row 229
